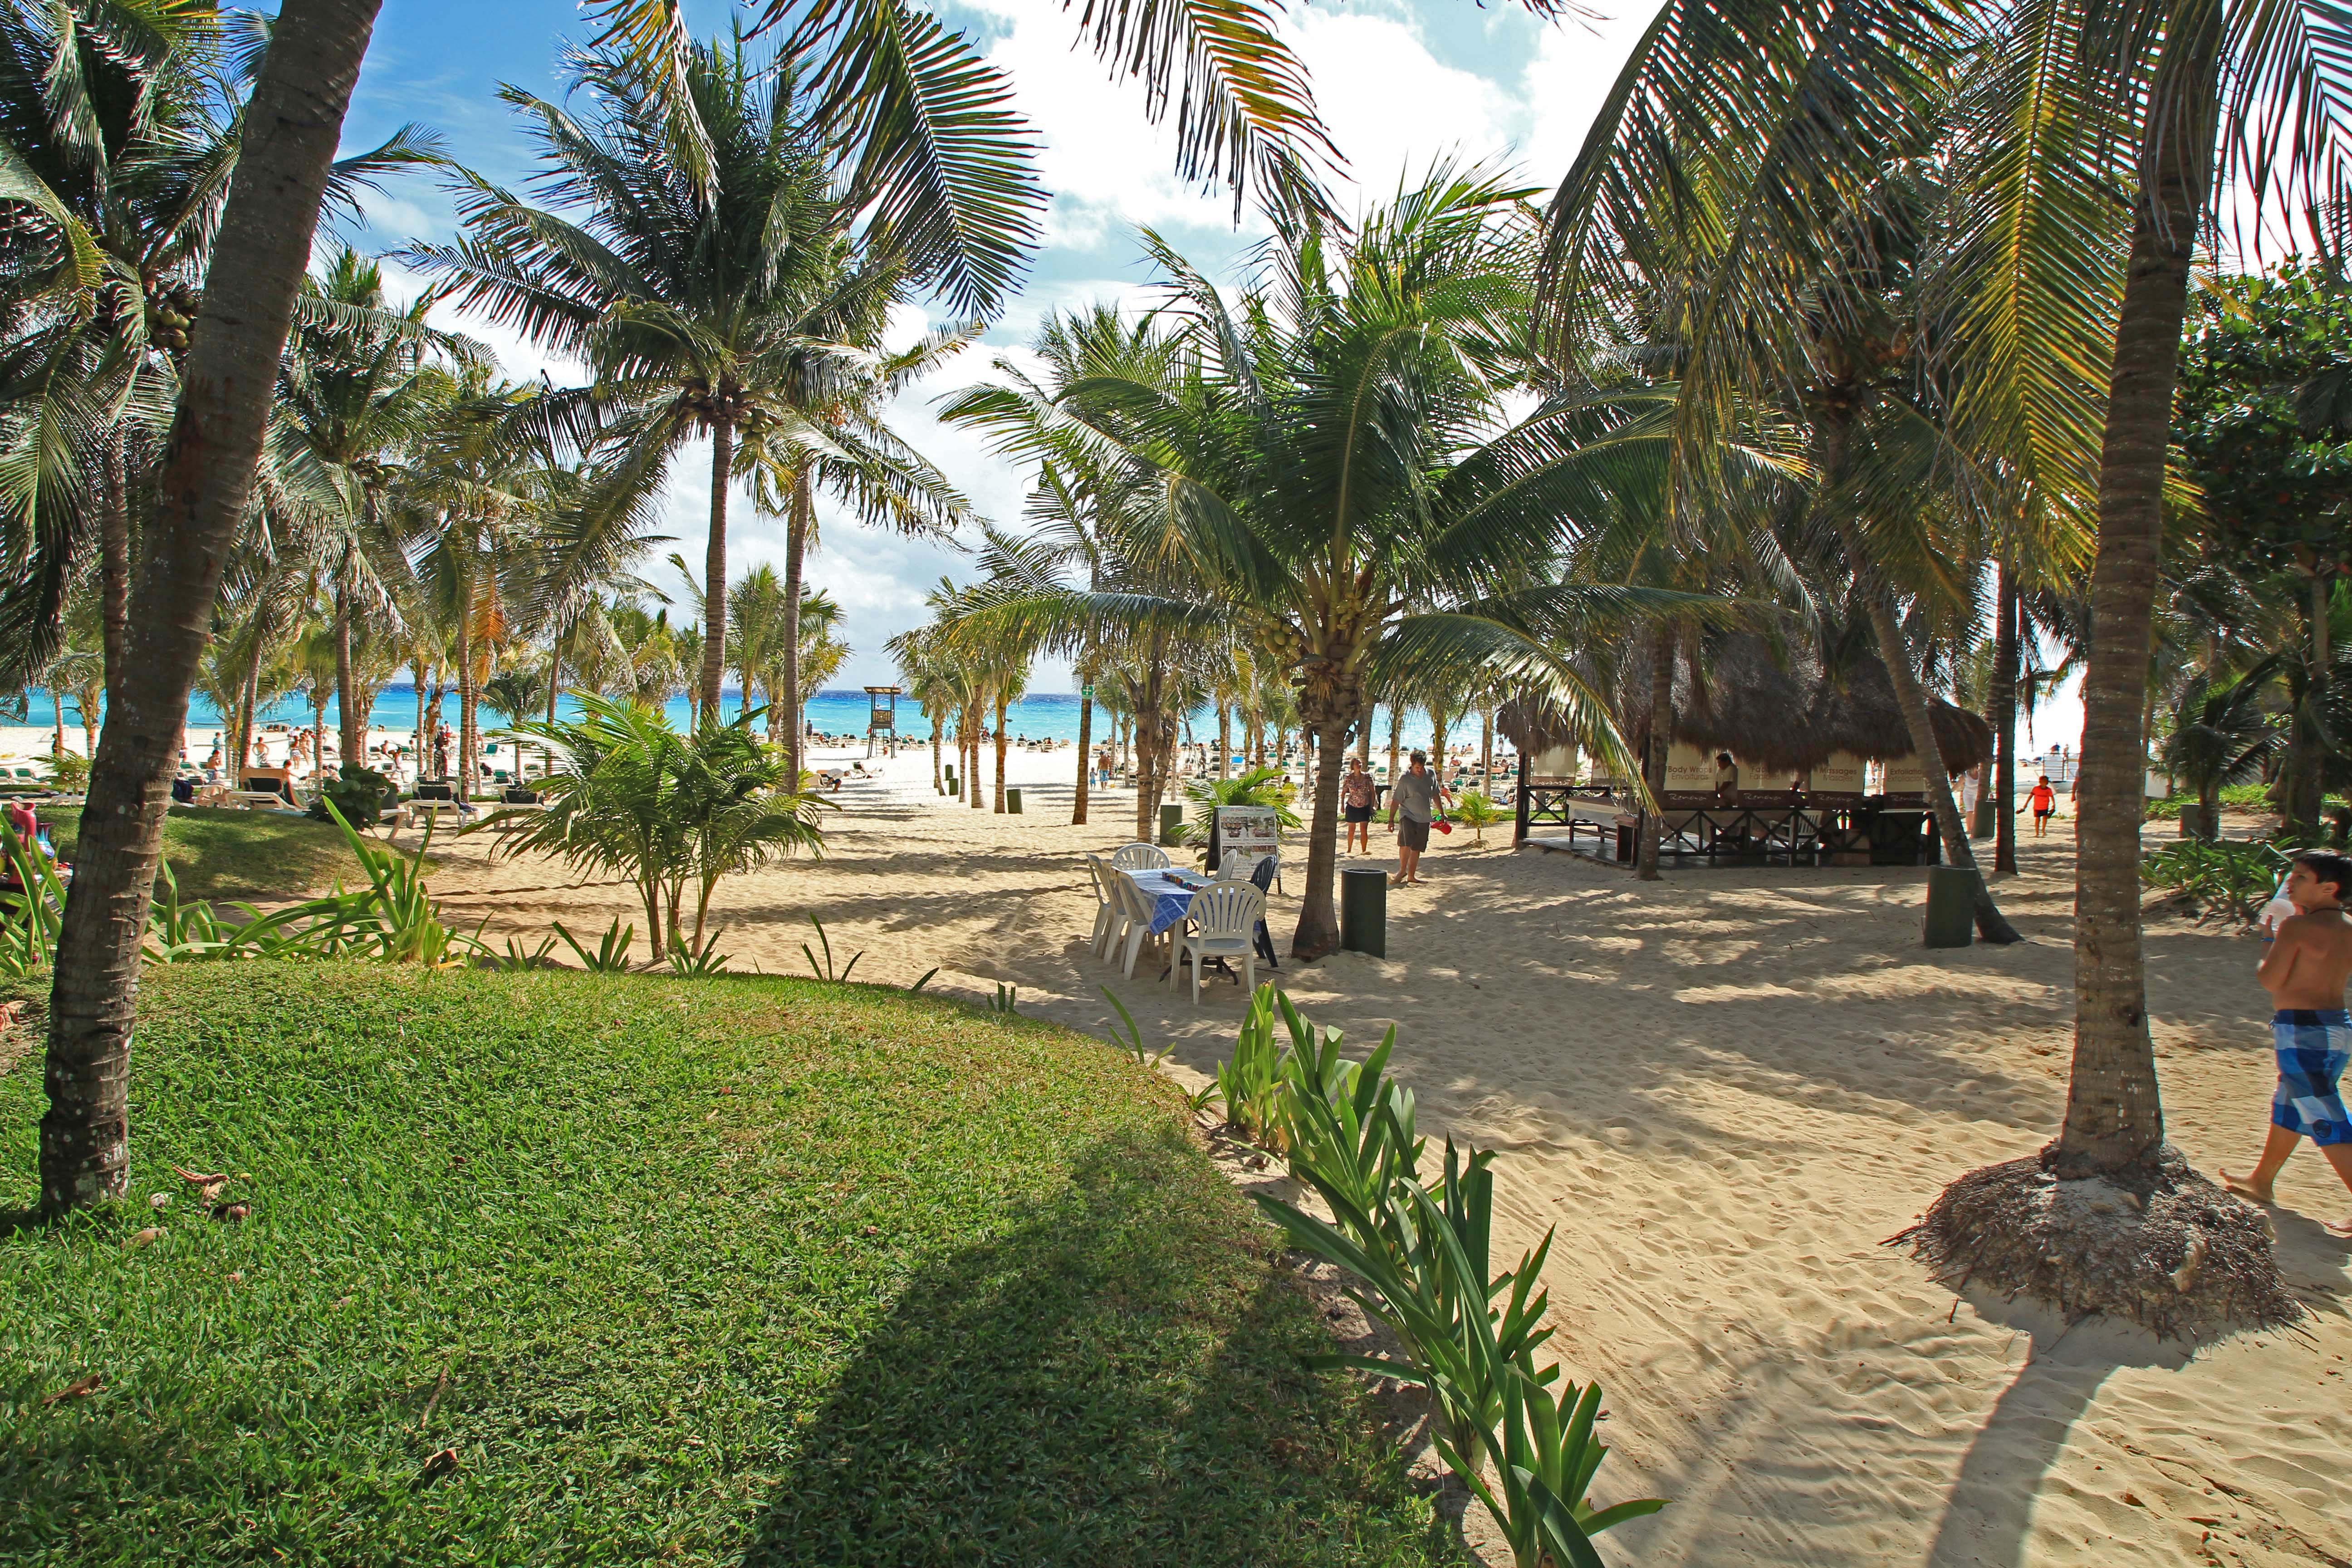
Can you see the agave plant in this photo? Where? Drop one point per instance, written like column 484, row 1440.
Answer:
column 1421, row 1259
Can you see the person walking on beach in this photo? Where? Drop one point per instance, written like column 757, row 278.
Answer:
column 2044, row 802
column 2305, row 971
column 1356, row 800
column 1416, row 794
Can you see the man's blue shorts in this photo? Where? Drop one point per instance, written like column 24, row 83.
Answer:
column 2314, row 1048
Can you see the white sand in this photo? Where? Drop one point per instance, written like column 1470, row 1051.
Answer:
column 1725, row 1092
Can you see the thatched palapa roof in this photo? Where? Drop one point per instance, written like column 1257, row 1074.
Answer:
column 1779, row 709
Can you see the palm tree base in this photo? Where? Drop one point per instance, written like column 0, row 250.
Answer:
column 2157, row 1244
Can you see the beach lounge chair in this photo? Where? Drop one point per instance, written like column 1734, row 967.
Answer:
column 1224, row 917
column 1140, row 858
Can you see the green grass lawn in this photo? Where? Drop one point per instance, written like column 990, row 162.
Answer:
column 754, row 1271
column 237, row 854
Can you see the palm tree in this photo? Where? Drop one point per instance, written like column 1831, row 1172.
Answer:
column 470, row 508
column 258, row 260
column 1333, row 451
column 122, row 129
column 726, row 309
column 673, row 813
column 2223, row 734
column 938, row 160
column 360, row 388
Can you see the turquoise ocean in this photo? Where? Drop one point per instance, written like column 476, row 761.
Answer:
column 1040, row 716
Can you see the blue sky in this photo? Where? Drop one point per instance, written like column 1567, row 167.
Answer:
column 1399, row 81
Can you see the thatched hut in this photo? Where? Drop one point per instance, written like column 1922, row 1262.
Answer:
column 1783, row 708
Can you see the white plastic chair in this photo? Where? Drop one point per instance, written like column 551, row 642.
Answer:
column 1110, row 915
column 1236, row 868
column 1140, row 909
column 1138, row 857
column 1225, row 917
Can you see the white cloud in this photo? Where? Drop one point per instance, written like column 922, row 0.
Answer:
column 1562, row 88
column 1107, row 165
column 1391, row 106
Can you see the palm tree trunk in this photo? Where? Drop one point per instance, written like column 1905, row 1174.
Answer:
column 1894, row 654
column 1085, row 758
column 1319, row 921
column 249, row 695
column 1662, row 739
column 1224, row 741
column 1000, row 747
column 796, row 532
column 1487, row 754
column 1837, row 427
column 2115, row 1119
column 114, row 555
column 2305, row 790
column 939, row 779
column 465, row 704
column 1396, row 739
column 351, row 739
column 1438, row 715
column 714, row 566
column 1145, row 733
column 555, row 692
column 292, row 122
column 2004, row 716
column 971, row 755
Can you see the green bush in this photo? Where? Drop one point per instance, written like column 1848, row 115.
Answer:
column 2233, row 877
column 69, row 771
column 361, row 794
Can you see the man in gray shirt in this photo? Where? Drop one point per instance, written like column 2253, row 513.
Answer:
column 1416, row 796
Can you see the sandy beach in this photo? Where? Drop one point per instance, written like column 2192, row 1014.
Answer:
column 1725, row 1092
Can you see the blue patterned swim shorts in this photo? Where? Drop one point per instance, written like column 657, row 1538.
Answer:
column 2313, row 1050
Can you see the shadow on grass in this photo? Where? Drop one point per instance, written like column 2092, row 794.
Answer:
column 1112, row 1379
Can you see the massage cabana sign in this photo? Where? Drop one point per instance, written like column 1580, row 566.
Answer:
column 1251, row 832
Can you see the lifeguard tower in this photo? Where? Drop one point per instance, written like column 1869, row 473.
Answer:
column 881, row 717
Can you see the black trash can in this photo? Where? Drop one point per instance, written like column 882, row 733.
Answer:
column 1951, row 920
column 1364, row 911
column 1013, row 803
column 1171, row 823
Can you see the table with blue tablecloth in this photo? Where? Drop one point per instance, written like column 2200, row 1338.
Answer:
column 1172, row 902
column 1170, row 899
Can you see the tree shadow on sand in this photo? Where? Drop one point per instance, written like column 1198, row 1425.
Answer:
column 1114, row 1378
column 1988, row 1514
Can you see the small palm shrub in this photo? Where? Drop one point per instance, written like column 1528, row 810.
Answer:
column 1472, row 807
column 1258, row 786
column 671, row 812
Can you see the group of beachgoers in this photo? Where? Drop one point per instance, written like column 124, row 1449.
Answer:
column 1416, row 803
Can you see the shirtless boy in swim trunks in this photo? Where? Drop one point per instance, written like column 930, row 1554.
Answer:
column 2304, row 971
